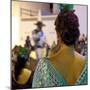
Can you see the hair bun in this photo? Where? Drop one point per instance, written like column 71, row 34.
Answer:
column 68, row 25
column 71, row 20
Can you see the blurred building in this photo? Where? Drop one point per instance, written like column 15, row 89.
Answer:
column 25, row 14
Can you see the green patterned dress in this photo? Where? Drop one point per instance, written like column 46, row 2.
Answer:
column 47, row 76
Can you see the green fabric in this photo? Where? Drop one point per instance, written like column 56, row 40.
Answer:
column 23, row 51
column 47, row 76
column 66, row 7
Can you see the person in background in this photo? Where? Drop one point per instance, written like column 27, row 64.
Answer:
column 81, row 45
column 51, row 8
column 47, row 49
column 82, row 41
column 64, row 66
column 39, row 39
column 15, row 51
column 28, row 43
column 86, row 46
column 21, row 76
column 78, row 47
column 14, row 54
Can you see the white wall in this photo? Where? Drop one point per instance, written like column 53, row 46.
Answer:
column 82, row 13
column 26, row 29
column 15, row 23
column 49, row 31
column 15, row 30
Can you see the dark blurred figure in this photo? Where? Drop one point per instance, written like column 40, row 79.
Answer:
column 81, row 45
column 51, row 7
column 47, row 49
column 28, row 43
column 82, row 40
column 84, row 45
column 14, row 54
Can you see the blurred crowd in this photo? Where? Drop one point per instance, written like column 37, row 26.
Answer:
column 81, row 45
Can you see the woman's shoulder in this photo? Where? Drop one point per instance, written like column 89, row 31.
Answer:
column 80, row 64
column 80, row 58
column 80, row 61
column 83, row 78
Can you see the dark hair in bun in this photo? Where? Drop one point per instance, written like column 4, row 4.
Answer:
column 67, row 25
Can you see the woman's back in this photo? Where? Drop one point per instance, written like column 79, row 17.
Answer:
column 71, row 70
column 68, row 62
column 66, row 70
column 47, row 76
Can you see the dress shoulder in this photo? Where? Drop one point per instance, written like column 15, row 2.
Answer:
column 46, row 76
column 83, row 79
column 40, row 74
